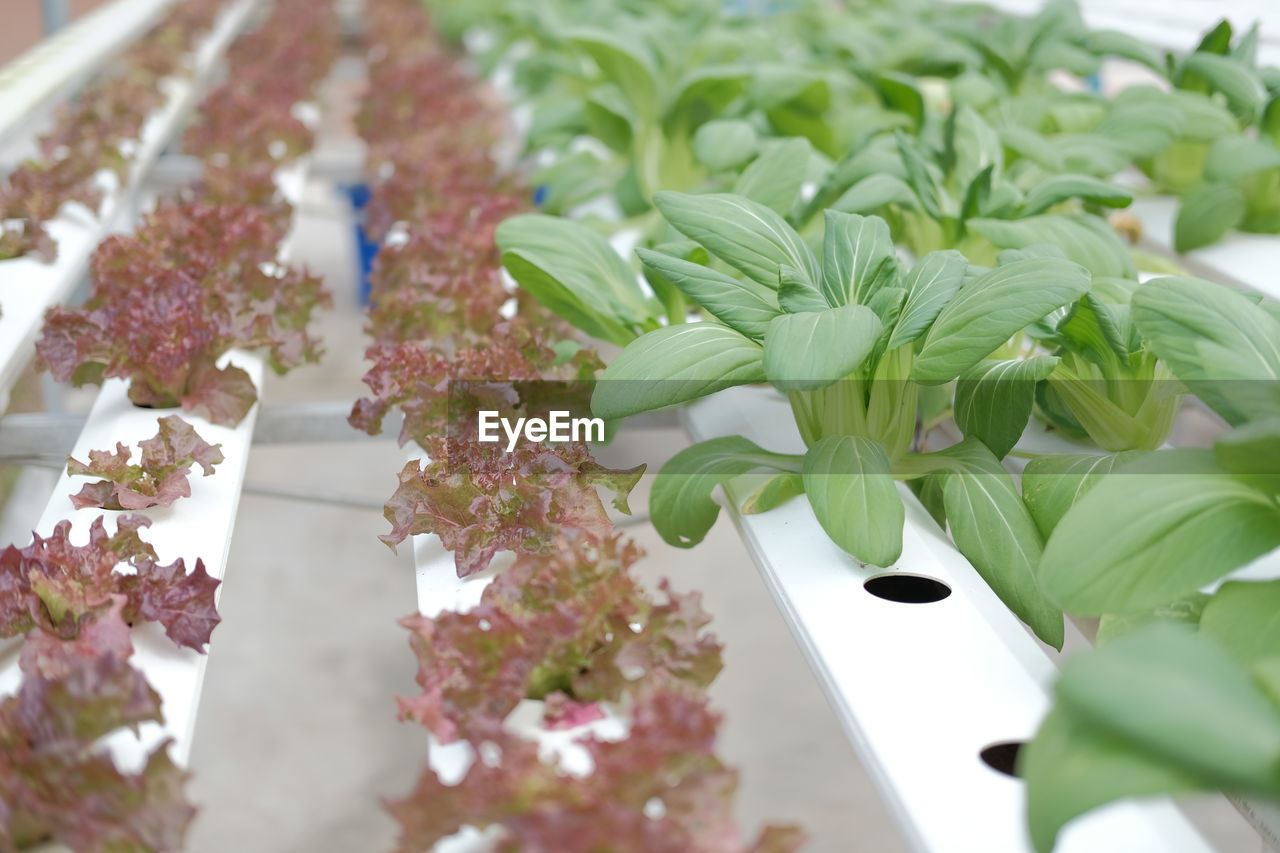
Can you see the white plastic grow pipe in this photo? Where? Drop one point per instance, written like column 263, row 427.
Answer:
column 28, row 286
column 198, row 527
column 44, row 73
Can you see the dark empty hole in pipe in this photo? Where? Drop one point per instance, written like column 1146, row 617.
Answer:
column 1002, row 757
column 907, row 589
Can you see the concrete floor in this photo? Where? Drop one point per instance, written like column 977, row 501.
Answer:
column 297, row 737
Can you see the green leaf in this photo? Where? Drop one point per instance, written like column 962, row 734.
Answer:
column 1206, row 214
column 898, row 92
column 994, row 399
column 573, row 271
column 1243, row 90
column 1269, row 124
column 1125, row 46
column 804, row 352
column 1073, row 766
column 1051, row 485
column 851, row 489
column 775, row 177
column 930, row 285
column 1222, row 345
column 725, row 144
column 1204, row 119
column 874, row 192
column 609, row 117
column 777, row 84
column 1032, row 146
column 976, row 146
column 1183, row 699
column 680, row 503
column 743, row 305
column 1166, row 525
column 990, row 309
column 929, row 492
column 796, row 294
column 1059, row 188
column 674, row 365
column 1140, row 127
column 1244, row 618
column 992, row 528
column 1252, row 451
column 624, row 63
column 858, row 258
column 1083, row 238
column 1216, row 40
column 570, row 181
column 1098, row 330
column 921, row 179
column 773, row 493
column 977, row 197
column 744, row 234
column 1234, row 158
column 1184, row 611
column 704, row 93
column 1266, row 673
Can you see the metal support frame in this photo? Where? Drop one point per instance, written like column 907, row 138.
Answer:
column 56, row 15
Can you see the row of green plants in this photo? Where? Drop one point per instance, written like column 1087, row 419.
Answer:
column 899, row 219
column 565, row 624
column 201, row 275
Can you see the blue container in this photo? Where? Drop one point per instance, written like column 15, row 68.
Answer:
column 358, row 195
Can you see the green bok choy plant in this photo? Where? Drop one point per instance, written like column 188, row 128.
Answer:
column 1183, row 693
column 850, row 338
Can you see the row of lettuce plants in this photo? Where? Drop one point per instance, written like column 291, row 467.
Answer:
column 565, row 625
column 201, row 275
column 900, row 219
column 98, row 131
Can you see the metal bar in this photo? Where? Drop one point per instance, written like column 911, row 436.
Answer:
column 46, row 435
column 27, row 437
column 56, row 15
column 173, row 171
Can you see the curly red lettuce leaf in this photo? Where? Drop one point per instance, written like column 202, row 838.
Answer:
column 54, row 584
column 659, row 790
column 168, row 302
column 481, row 500
column 32, row 195
column 440, row 394
column 249, row 119
column 159, row 477
column 572, row 624
column 429, row 289
column 56, row 781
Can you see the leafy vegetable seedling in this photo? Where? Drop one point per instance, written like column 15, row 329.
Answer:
column 849, row 339
column 158, row 478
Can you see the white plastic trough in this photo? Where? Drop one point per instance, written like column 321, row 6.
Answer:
column 920, row 689
column 197, row 527
column 27, row 285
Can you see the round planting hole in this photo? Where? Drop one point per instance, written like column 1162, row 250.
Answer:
column 1002, row 757
column 907, row 589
